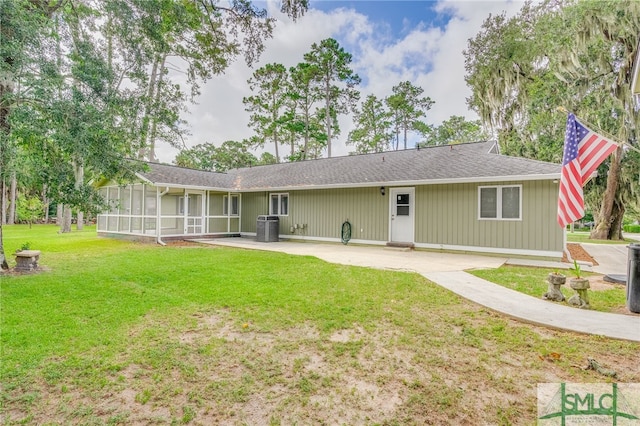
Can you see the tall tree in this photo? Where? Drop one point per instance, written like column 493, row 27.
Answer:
column 407, row 106
column 75, row 83
column 372, row 131
column 204, row 36
column 454, row 130
column 267, row 106
column 562, row 53
column 337, row 83
column 301, row 117
column 207, row 156
column 22, row 23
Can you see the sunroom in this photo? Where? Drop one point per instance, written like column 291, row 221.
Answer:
column 153, row 211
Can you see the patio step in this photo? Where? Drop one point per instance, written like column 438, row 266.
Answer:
column 399, row 246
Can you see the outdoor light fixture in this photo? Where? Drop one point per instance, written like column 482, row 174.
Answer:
column 382, row 191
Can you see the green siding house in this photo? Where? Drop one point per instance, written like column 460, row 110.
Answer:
column 465, row 197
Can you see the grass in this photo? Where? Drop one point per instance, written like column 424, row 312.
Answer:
column 532, row 281
column 583, row 237
column 114, row 332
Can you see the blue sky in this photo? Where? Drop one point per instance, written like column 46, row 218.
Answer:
column 399, row 16
column 390, row 41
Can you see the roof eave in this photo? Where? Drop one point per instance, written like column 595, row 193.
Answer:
column 144, row 179
column 196, row 187
column 183, row 186
column 550, row 176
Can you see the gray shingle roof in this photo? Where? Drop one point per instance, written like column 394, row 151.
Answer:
column 162, row 174
column 473, row 162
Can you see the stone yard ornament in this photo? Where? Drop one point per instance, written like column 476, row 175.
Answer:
column 27, row 260
column 581, row 286
column 555, row 280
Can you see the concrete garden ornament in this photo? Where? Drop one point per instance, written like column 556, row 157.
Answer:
column 581, row 286
column 555, row 280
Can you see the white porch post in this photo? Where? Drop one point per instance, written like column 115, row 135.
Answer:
column 185, row 211
column 228, row 212
column 205, row 226
column 158, row 218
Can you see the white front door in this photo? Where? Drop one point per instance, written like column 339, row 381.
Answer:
column 401, row 204
column 194, row 212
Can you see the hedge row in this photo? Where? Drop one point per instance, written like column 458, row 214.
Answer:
column 634, row 229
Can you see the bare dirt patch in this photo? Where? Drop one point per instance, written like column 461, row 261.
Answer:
column 598, row 284
column 42, row 269
column 468, row 366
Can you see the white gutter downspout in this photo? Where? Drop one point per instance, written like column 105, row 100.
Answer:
column 158, row 215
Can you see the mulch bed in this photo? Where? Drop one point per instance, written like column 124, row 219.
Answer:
column 578, row 253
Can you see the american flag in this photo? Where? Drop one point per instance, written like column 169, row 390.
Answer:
column 584, row 150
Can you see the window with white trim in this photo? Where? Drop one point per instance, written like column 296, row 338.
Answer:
column 235, row 205
column 500, row 202
column 279, row 204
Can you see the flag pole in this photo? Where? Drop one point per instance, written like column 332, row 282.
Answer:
column 592, row 126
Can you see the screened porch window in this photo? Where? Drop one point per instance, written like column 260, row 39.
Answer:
column 500, row 202
column 279, row 205
column 235, row 210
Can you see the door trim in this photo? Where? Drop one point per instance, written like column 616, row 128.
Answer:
column 412, row 202
column 198, row 221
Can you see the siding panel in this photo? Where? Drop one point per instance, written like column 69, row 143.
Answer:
column 324, row 211
column 251, row 206
column 448, row 215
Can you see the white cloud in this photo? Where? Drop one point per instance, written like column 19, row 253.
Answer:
column 430, row 57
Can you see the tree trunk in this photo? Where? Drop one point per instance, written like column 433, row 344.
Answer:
column 328, row 116
column 12, row 201
column 292, row 145
column 603, row 229
column 405, row 136
column 615, row 233
column 147, row 110
column 6, row 90
column 306, row 133
column 151, row 144
column 397, row 134
column 3, row 260
column 79, row 221
column 65, row 223
column 78, row 171
column 3, row 213
column 45, row 203
column 59, row 213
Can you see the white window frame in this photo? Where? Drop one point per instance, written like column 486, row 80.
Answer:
column 180, row 205
column 280, row 195
column 499, row 189
column 225, row 205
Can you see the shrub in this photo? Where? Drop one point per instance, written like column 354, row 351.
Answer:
column 30, row 209
column 634, row 229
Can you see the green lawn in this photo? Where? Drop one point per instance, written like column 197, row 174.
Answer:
column 113, row 332
column 532, row 281
column 583, row 237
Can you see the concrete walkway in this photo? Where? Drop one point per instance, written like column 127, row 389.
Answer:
column 537, row 311
column 611, row 258
column 446, row 270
